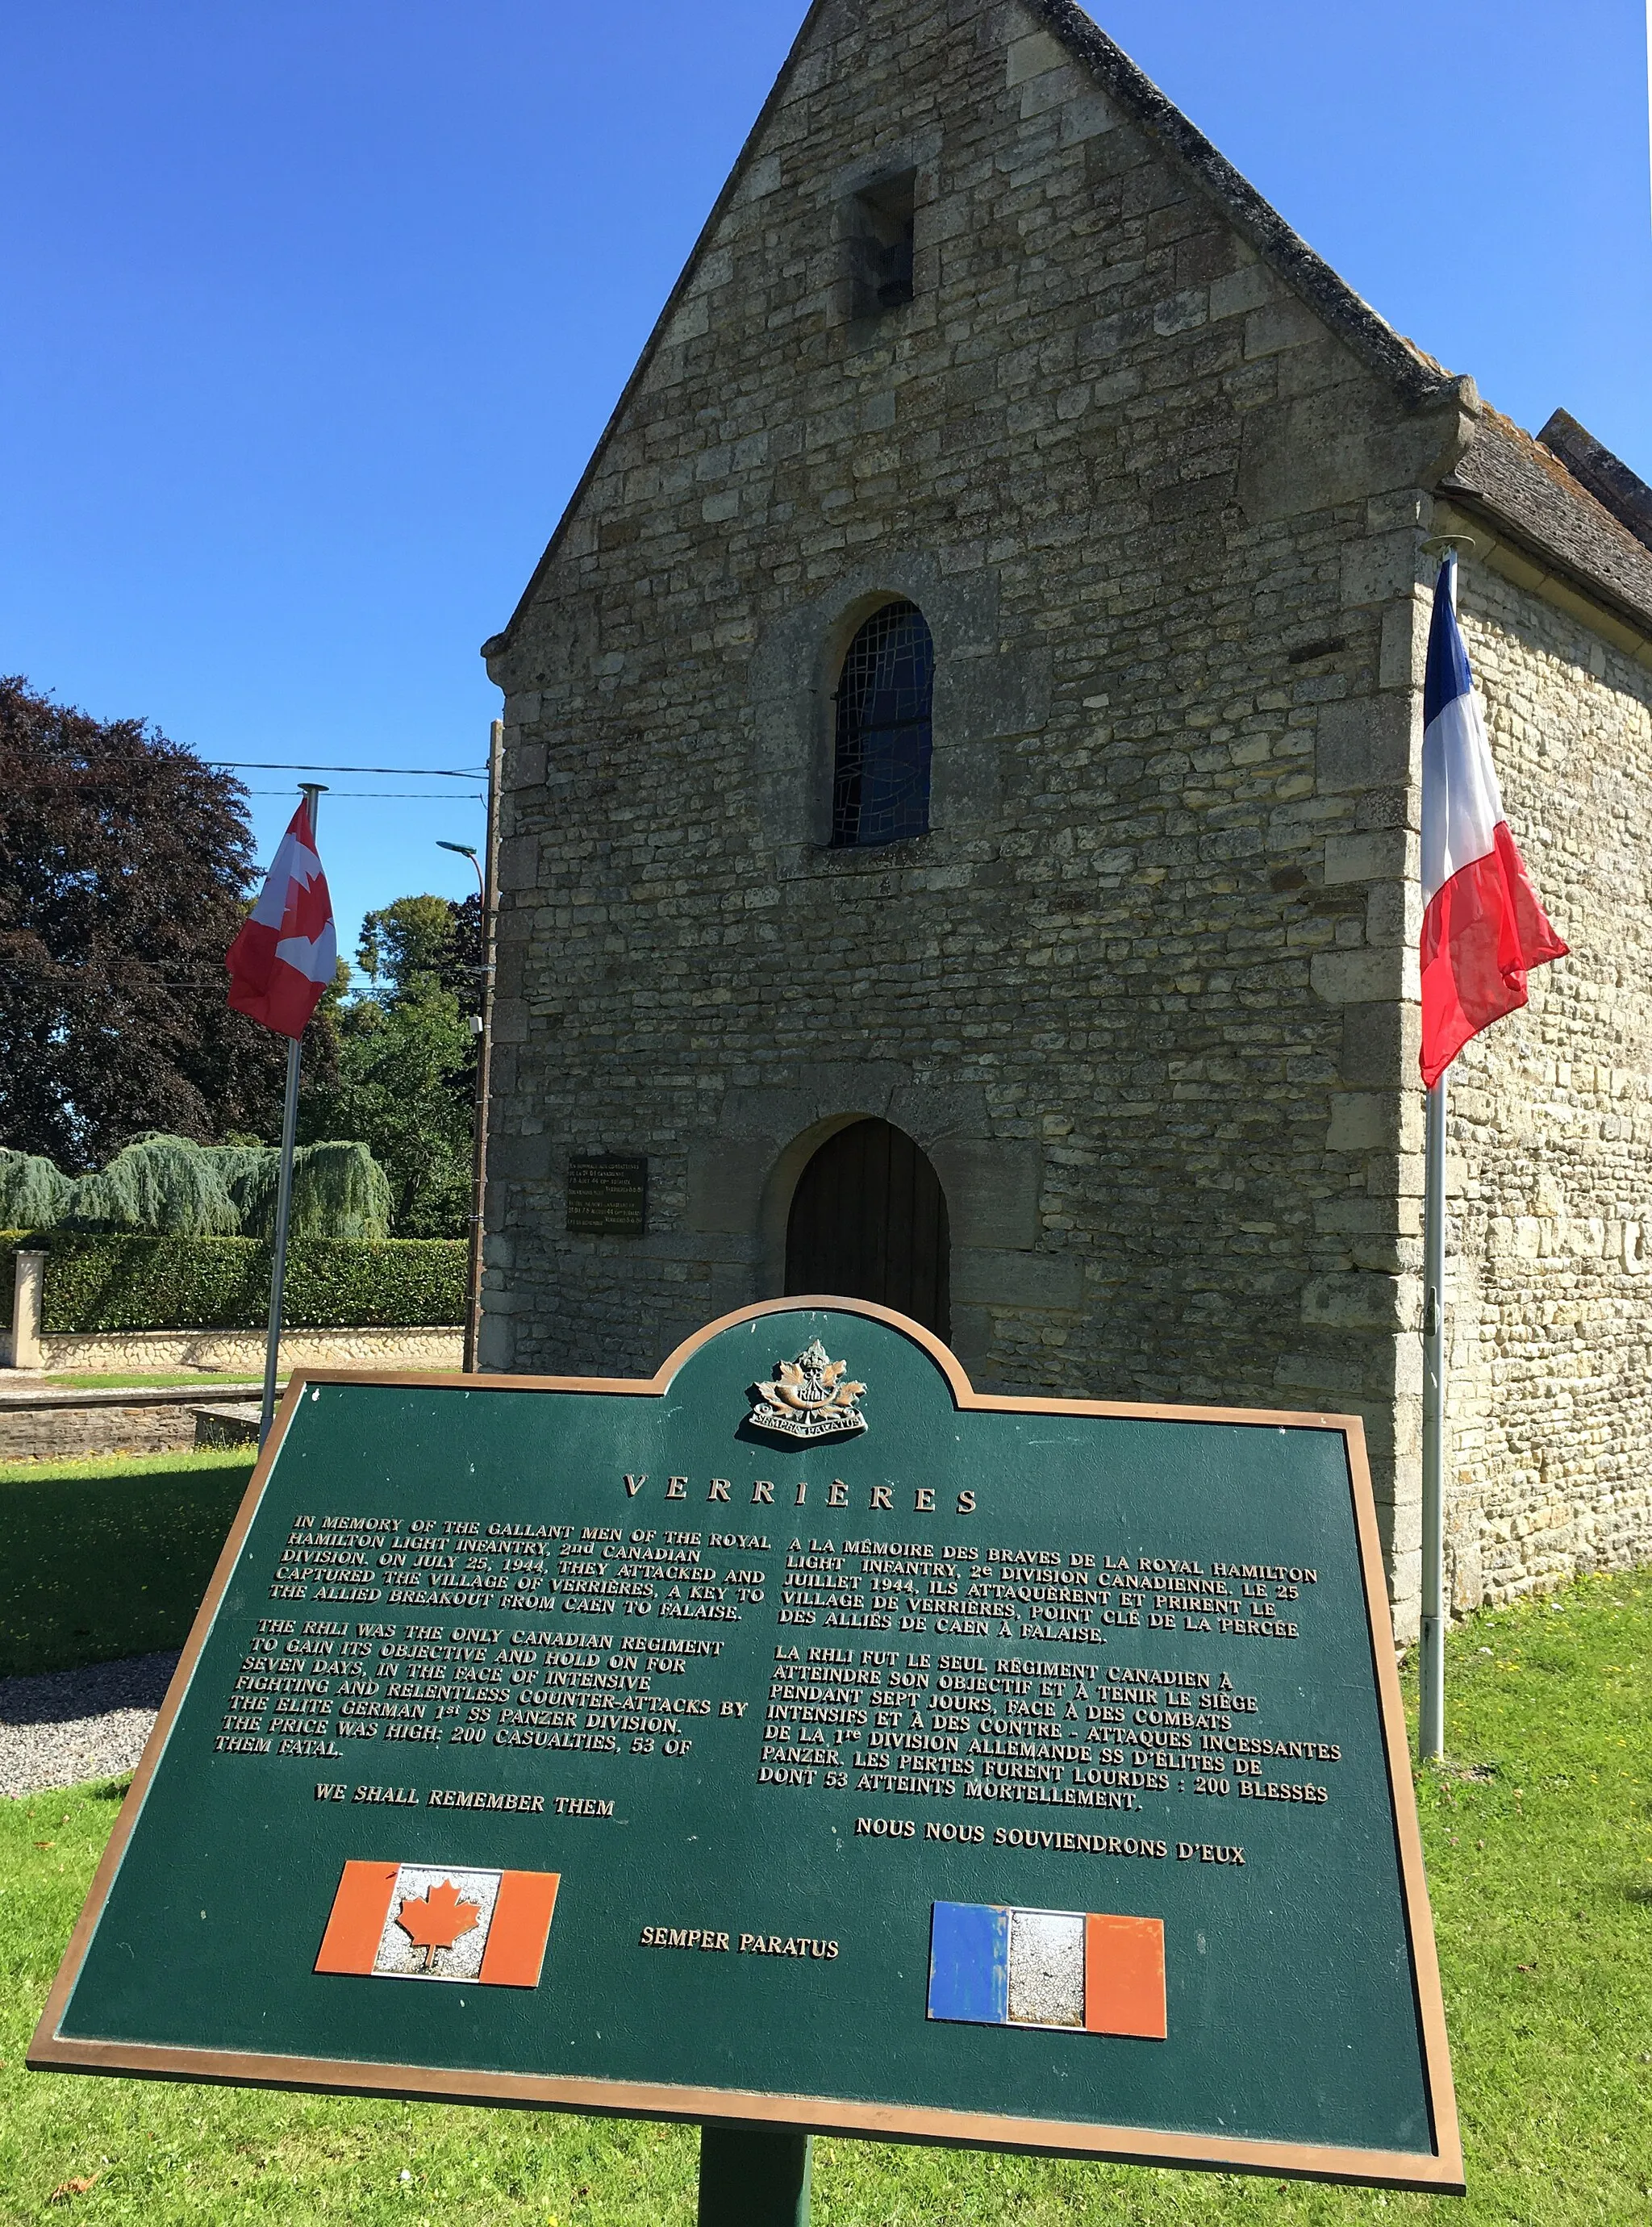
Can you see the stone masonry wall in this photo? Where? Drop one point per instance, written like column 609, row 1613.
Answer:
column 1141, row 993
column 1550, row 1131
column 241, row 1352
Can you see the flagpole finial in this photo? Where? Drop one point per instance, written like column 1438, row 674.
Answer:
column 1446, row 547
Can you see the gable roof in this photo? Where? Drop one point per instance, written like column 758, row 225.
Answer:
column 1416, row 376
column 1564, row 493
column 1576, row 517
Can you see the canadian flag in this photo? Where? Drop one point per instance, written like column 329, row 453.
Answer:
column 285, row 954
column 1483, row 926
column 434, row 1921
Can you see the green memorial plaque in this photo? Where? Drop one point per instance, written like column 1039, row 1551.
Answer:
column 800, row 1738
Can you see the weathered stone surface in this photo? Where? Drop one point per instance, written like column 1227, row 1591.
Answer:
column 1550, row 1130
column 1146, row 991
column 240, row 1353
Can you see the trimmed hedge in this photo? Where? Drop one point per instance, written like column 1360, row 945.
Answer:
column 97, row 1282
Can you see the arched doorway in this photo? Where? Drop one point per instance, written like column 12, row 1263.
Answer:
column 869, row 1221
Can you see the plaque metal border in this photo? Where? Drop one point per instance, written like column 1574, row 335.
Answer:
column 1436, row 2172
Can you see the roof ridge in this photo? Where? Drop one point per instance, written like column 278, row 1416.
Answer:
column 1556, row 467
column 1614, row 484
column 1528, row 491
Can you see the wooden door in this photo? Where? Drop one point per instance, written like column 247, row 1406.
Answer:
column 869, row 1221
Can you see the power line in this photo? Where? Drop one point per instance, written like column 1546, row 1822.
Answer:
column 281, row 765
column 411, row 795
column 79, row 781
column 142, row 980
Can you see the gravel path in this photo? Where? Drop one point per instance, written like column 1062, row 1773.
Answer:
column 64, row 1726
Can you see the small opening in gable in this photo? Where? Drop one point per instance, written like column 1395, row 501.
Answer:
column 881, row 234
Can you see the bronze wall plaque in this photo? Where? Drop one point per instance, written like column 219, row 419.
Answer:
column 609, row 1197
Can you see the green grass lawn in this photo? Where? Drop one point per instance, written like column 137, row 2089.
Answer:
column 108, row 1554
column 1539, row 1838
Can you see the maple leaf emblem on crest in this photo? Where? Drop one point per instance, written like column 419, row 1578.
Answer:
column 810, row 1397
column 436, row 1919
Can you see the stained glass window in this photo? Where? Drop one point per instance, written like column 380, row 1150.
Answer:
column 880, row 790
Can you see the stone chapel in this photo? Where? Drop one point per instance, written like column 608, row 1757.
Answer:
column 960, row 805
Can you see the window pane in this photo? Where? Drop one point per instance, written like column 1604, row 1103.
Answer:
column 881, row 789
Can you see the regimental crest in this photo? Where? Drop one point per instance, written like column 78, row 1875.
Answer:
column 812, row 1397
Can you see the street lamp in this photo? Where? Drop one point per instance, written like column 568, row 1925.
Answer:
column 467, row 850
column 487, row 889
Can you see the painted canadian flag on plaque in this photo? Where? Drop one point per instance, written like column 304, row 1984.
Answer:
column 440, row 1922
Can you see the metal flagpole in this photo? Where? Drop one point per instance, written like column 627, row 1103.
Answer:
column 1431, row 1668
column 488, row 898
column 1431, row 1719
column 311, row 790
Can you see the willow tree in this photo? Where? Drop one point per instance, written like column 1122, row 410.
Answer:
column 172, row 1187
column 158, row 1184
column 338, row 1190
column 33, row 1192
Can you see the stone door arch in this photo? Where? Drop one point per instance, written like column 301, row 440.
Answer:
column 868, row 1221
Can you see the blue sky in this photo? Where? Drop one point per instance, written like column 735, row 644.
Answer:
column 318, row 306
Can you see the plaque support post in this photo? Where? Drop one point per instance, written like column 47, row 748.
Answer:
column 755, row 2177
column 311, row 791
column 1431, row 1716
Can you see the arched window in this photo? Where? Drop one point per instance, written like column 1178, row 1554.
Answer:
column 869, row 1221
column 880, row 787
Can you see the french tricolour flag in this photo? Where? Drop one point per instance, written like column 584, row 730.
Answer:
column 1483, row 926
column 284, row 955
column 1080, row 1971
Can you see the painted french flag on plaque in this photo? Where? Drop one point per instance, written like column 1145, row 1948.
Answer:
column 437, row 1922
column 1483, row 926
column 1082, row 1971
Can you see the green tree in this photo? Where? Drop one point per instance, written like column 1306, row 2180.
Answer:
column 125, row 866
column 405, row 1076
column 424, row 935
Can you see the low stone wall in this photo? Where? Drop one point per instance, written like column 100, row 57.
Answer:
column 59, row 1434
column 240, row 1352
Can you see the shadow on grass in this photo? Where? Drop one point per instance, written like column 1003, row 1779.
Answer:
column 101, row 1566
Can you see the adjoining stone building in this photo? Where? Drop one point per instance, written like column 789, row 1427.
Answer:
column 962, row 794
